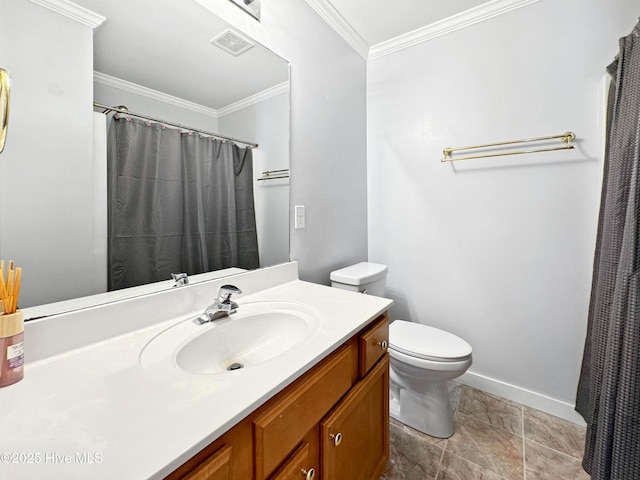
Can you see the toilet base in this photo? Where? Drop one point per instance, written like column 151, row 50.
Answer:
column 428, row 412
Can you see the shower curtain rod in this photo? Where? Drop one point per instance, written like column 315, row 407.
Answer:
column 125, row 111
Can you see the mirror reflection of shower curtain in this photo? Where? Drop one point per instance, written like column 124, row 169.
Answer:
column 609, row 390
column 178, row 202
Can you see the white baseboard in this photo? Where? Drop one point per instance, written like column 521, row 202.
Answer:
column 521, row 395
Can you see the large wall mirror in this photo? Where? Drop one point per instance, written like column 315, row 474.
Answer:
column 178, row 62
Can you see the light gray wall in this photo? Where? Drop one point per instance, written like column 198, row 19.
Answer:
column 498, row 251
column 328, row 131
column 48, row 152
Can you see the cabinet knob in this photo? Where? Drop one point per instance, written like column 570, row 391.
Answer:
column 337, row 438
column 309, row 474
column 384, row 345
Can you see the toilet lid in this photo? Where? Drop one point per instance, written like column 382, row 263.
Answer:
column 426, row 342
column 359, row 274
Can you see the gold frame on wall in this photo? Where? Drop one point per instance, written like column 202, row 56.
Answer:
column 5, row 90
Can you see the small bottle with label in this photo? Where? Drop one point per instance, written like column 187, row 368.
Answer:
column 11, row 348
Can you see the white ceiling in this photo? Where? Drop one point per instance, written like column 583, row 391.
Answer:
column 377, row 21
column 165, row 45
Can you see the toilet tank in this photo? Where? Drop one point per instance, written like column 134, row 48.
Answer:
column 364, row 277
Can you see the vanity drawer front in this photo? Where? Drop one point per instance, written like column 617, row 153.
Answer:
column 373, row 344
column 279, row 429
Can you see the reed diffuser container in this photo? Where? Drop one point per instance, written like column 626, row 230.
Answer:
column 11, row 327
column 11, row 348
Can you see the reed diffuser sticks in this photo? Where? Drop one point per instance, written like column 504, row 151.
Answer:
column 10, row 287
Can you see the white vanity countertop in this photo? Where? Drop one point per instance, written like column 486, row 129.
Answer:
column 95, row 412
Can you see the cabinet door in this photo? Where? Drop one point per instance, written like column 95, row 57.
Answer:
column 217, row 467
column 298, row 467
column 355, row 435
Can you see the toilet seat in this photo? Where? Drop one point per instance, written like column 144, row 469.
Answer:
column 427, row 343
column 432, row 365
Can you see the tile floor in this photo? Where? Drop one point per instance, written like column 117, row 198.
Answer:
column 494, row 439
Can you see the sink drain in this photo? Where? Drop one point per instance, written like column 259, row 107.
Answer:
column 235, row 366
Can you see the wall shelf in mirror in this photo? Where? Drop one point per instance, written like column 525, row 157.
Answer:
column 274, row 174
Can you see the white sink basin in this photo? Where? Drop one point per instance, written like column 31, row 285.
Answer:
column 257, row 333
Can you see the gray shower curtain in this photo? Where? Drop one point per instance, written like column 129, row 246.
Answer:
column 609, row 389
column 177, row 202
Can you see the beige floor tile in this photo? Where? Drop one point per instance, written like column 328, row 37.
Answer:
column 490, row 409
column 417, row 433
column 493, row 448
column 454, row 467
column 487, row 475
column 544, row 463
column 411, row 457
column 487, row 445
column 553, row 432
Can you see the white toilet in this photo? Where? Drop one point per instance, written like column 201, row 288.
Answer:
column 423, row 359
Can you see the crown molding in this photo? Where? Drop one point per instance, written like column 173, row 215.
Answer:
column 464, row 19
column 130, row 87
column 336, row 21
column 115, row 82
column 73, row 11
column 254, row 99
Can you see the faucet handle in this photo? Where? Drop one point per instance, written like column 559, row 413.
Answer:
column 230, row 288
column 225, row 292
column 180, row 279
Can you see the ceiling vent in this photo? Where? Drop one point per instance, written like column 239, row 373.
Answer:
column 232, row 42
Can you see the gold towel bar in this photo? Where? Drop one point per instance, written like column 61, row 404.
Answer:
column 274, row 174
column 566, row 138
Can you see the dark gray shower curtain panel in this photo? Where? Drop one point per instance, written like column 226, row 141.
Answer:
column 178, row 202
column 609, row 388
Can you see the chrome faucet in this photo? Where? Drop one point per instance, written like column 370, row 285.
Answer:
column 222, row 307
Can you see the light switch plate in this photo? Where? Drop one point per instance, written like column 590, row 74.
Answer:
column 300, row 219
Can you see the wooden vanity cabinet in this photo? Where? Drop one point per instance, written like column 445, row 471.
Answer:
column 330, row 424
column 230, row 457
column 282, row 425
column 355, row 435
